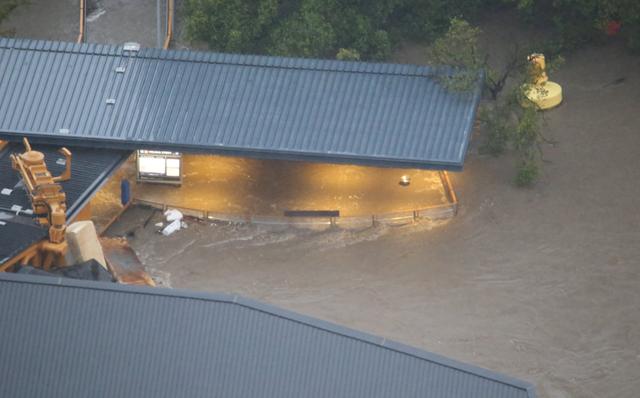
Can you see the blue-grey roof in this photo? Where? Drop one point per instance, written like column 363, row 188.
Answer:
column 272, row 107
column 70, row 338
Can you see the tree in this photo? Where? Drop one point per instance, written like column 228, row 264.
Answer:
column 513, row 122
column 507, row 124
column 304, row 34
column 230, row 25
column 319, row 28
column 348, row 54
column 577, row 22
column 457, row 49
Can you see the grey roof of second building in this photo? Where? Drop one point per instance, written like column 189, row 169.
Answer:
column 272, row 107
column 65, row 338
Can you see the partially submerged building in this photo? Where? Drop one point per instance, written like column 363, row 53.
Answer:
column 65, row 337
column 125, row 99
column 68, row 338
column 172, row 102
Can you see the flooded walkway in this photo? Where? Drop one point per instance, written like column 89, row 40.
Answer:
column 269, row 187
column 252, row 187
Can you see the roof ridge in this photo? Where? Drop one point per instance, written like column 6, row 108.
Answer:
column 327, row 326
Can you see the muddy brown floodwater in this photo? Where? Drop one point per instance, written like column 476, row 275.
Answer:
column 108, row 21
column 239, row 186
column 542, row 283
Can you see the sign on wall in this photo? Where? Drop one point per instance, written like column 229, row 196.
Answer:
column 159, row 166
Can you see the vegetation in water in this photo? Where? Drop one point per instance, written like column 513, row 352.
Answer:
column 456, row 52
column 320, row 28
column 6, row 6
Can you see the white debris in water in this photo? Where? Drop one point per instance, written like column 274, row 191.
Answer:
column 159, row 224
column 173, row 215
column 171, row 228
column 6, row 191
column 96, row 14
column 16, row 208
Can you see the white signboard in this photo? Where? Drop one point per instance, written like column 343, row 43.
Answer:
column 159, row 166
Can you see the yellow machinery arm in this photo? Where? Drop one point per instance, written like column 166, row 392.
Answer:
column 47, row 198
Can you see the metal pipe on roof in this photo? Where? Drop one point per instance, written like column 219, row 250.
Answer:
column 169, row 36
column 158, row 25
column 83, row 17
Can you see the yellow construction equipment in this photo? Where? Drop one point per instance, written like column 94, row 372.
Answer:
column 47, row 200
column 542, row 92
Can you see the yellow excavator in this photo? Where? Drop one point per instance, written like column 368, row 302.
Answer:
column 48, row 201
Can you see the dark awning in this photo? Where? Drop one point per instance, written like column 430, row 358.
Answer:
column 269, row 107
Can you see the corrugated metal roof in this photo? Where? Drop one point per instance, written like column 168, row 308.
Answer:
column 90, row 168
column 17, row 234
column 272, row 107
column 64, row 338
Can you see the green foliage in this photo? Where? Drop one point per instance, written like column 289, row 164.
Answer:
column 318, row 28
column 526, row 132
column 374, row 27
column 379, row 46
column 509, row 125
column 577, row 22
column 457, row 48
column 632, row 29
column 304, row 34
column 496, row 123
column 230, row 25
column 527, row 173
column 348, row 54
column 6, row 6
column 512, row 122
column 428, row 19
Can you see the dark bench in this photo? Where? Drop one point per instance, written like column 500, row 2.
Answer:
column 312, row 213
